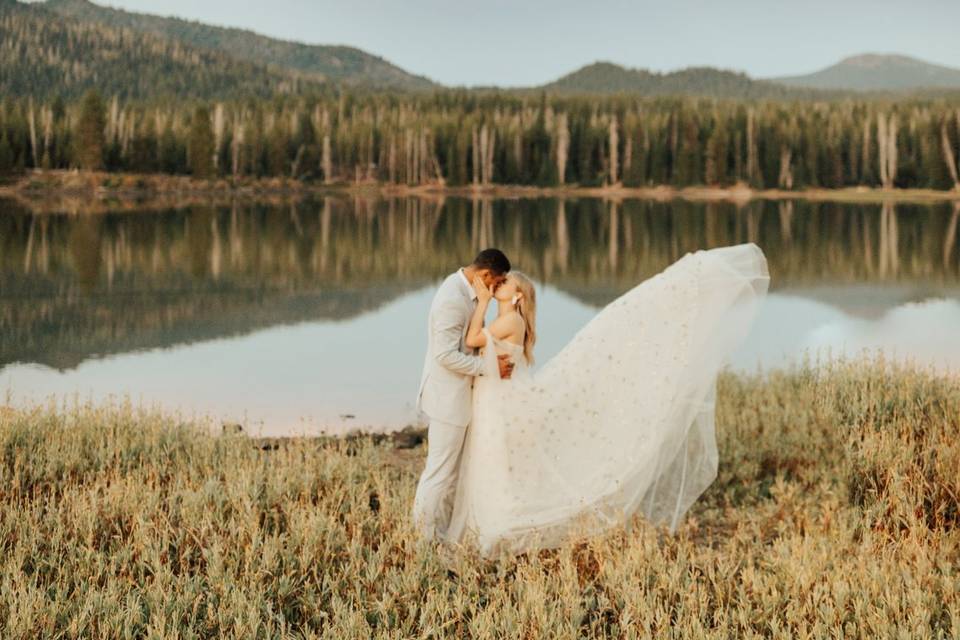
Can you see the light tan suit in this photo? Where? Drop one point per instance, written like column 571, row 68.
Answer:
column 446, row 397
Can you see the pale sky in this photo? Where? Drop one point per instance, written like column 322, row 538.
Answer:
column 529, row 42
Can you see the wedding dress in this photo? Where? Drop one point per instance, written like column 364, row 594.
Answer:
column 620, row 421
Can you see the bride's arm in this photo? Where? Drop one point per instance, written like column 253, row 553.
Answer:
column 475, row 337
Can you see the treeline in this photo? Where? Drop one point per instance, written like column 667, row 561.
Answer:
column 462, row 138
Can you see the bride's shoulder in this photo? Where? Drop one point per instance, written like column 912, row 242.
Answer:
column 513, row 317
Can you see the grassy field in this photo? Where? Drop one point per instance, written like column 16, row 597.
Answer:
column 835, row 514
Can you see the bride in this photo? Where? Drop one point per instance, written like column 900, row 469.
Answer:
column 620, row 421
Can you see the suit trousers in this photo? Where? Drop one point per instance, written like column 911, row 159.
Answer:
column 433, row 503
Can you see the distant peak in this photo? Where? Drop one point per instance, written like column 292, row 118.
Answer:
column 874, row 60
column 878, row 72
column 602, row 64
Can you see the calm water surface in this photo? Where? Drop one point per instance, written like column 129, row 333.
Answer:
column 299, row 317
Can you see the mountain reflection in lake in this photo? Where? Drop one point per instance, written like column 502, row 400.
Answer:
column 290, row 316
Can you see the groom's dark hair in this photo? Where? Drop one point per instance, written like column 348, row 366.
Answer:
column 492, row 259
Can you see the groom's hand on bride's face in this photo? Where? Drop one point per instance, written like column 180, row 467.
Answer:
column 506, row 366
column 484, row 292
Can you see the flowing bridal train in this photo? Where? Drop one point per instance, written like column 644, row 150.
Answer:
column 620, row 421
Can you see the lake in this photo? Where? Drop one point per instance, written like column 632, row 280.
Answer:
column 307, row 315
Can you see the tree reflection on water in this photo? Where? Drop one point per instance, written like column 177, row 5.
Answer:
column 83, row 284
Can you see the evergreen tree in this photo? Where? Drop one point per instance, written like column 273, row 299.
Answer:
column 715, row 170
column 201, row 145
column 59, row 108
column 6, row 155
column 144, row 151
column 90, row 132
column 170, row 153
column 277, row 164
column 504, row 139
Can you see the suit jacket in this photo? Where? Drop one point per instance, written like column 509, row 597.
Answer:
column 446, row 385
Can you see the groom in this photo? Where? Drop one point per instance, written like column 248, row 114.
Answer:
column 446, row 386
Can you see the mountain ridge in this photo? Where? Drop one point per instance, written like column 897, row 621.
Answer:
column 337, row 63
column 603, row 77
column 877, row 72
column 43, row 53
column 230, row 61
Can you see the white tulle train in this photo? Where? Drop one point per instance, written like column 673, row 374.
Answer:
column 620, row 421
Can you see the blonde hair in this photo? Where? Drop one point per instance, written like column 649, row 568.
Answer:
column 527, row 308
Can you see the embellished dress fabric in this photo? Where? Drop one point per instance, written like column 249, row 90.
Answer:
column 620, row 421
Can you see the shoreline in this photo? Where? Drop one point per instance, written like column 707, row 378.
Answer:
column 70, row 189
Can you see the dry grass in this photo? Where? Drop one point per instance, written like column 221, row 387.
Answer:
column 835, row 514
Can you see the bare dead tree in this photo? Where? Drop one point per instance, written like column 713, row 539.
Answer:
column 490, row 149
column 614, row 141
column 488, row 138
column 865, row 155
column 948, row 156
column 892, row 150
column 128, row 131
column 408, row 176
column 219, row 126
column 113, row 120
column 753, row 164
column 46, row 117
column 563, row 147
column 32, row 123
column 887, row 145
column 415, row 158
column 484, row 134
column 674, row 134
column 319, row 118
column 882, row 149
column 160, row 121
column 438, row 170
column 295, row 165
column 392, row 161
column 627, row 155
column 426, row 156
column 236, row 144
column 518, row 146
column 475, row 149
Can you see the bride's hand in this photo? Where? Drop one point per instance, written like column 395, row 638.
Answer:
column 484, row 293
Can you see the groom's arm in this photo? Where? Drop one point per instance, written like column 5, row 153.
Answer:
column 448, row 323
